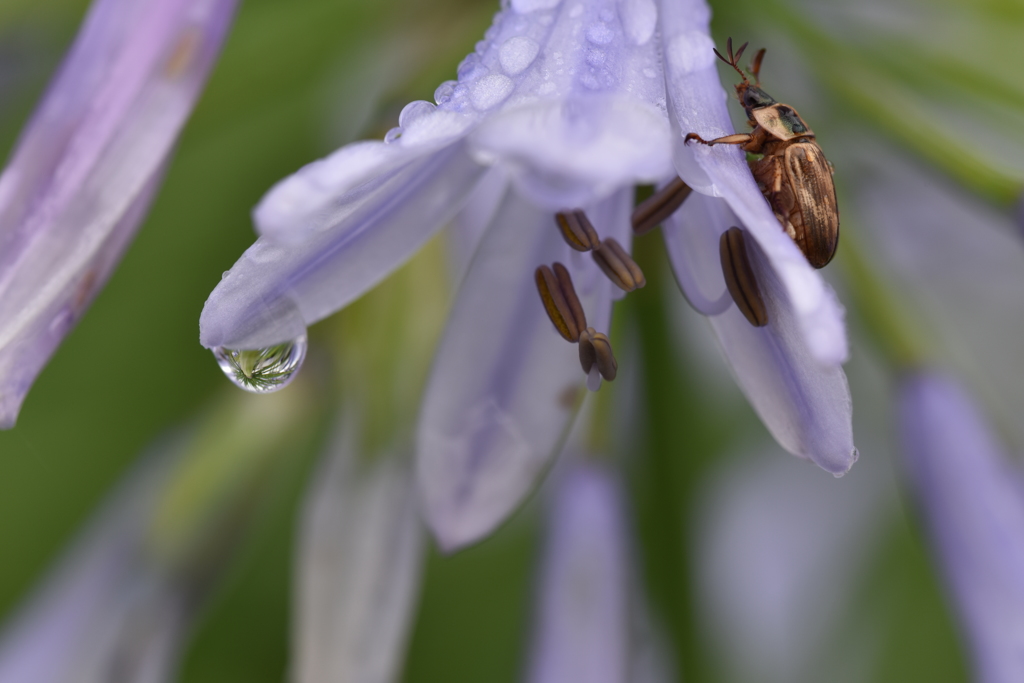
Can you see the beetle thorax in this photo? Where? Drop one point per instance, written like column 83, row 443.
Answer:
column 781, row 121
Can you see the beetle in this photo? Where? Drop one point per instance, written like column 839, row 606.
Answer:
column 790, row 168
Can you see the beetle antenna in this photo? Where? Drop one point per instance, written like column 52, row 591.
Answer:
column 755, row 67
column 733, row 58
column 739, row 53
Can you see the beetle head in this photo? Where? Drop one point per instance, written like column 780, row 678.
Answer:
column 750, row 95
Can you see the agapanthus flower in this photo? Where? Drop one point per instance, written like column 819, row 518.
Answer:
column 89, row 164
column 972, row 497
column 564, row 108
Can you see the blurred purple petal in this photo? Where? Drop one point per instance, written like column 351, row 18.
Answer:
column 358, row 567
column 275, row 290
column 696, row 104
column 805, row 405
column 583, row 614
column 779, row 553
column 87, row 165
column 503, row 389
column 105, row 613
column 972, row 497
column 121, row 602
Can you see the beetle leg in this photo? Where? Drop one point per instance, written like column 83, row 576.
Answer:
column 737, row 139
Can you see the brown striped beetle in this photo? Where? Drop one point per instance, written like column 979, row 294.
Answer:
column 791, row 170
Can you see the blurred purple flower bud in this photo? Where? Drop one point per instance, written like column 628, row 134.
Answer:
column 591, row 621
column 972, row 498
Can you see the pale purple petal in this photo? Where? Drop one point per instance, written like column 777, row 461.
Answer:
column 583, row 612
column 972, row 496
column 351, row 187
column 805, row 405
column 779, row 552
column 88, row 163
column 469, row 226
column 358, row 568
column 697, row 104
column 275, row 290
column 691, row 238
column 25, row 355
column 581, row 97
column 502, row 391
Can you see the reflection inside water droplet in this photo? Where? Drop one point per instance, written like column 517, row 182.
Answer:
column 262, row 371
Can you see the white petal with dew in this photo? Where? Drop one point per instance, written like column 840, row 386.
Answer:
column 79, row 182
column 358, row 568
column 503, row 389
column 972, row 495
column 639, row 19
column 583, row 100
column 697, row 104
column 325, row 193
column 805, row 405
column 275, row 290
column 582, row 630
column 570, row 153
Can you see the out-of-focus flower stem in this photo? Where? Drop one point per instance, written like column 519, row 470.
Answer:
column 658, row 510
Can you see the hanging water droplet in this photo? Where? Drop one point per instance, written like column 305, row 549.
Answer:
column 262, row 371
column 393, row 134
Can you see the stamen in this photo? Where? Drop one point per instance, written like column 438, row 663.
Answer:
column 659, row 206
column 596, row 351
column 560, row 301
column 620, row 268
column 739, row 277
column 577, row 230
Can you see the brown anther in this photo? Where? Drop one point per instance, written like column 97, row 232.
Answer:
column 596, row 349
column 620, row 268
column 577, row 230
column 739, row 277
column 655, row 209
column 560, row 301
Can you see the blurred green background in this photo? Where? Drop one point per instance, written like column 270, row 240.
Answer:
column 297, row 79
